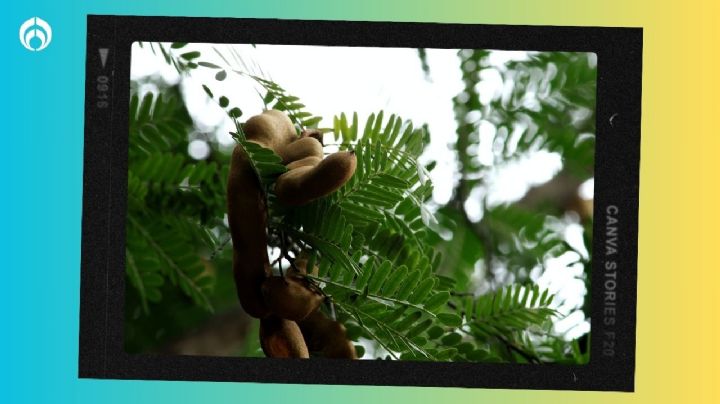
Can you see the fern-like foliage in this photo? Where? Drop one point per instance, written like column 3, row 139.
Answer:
column 278, row 98
column 163, row 248
column 166, row 248
column 389, row 185
column 371, row 240
column 156, row 125
column 506, row 319
column 521, row 238
column 510, row 309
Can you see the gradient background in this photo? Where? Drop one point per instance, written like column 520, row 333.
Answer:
column 41, row 168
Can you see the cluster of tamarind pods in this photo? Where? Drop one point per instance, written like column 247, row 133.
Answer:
column 292, row 324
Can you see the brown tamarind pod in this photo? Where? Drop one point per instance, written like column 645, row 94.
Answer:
column 272, row 129
column 247, row 220
column 290, row 297
column 300, row 267
column 299, row 149
column 340, row 348
column 314, row 133
column 311, row 161
column 326, row 337
column 305, row 184
column 280, row 338
column 309, row 177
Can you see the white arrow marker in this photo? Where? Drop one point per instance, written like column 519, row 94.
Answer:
column 103, row 56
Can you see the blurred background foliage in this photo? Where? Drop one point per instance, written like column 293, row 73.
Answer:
column 498, row 257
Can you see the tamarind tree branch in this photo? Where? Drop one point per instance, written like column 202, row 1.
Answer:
column 372, row 334
column 508, row 345
column 179, row 272
column 407, row 342
column 312, row 239
column 514, row 347
column 354, row 313
column 220, row 247
column 360, row 292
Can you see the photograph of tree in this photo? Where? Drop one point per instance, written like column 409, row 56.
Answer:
column 360, row 203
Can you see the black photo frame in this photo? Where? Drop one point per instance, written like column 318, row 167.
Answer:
column 614, row 271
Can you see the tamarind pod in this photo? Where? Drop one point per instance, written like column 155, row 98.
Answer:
column 305, row 184
column 247, row 219
column 280, row 338
column 300, row 267
column 290, row 297
column 308, row 178
column 326, row 337
column 272, row 129
column 311, row 161
column 314, row 133
column 340, row 348
column 299, row 149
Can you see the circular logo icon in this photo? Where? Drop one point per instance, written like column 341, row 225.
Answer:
column 35, row 34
